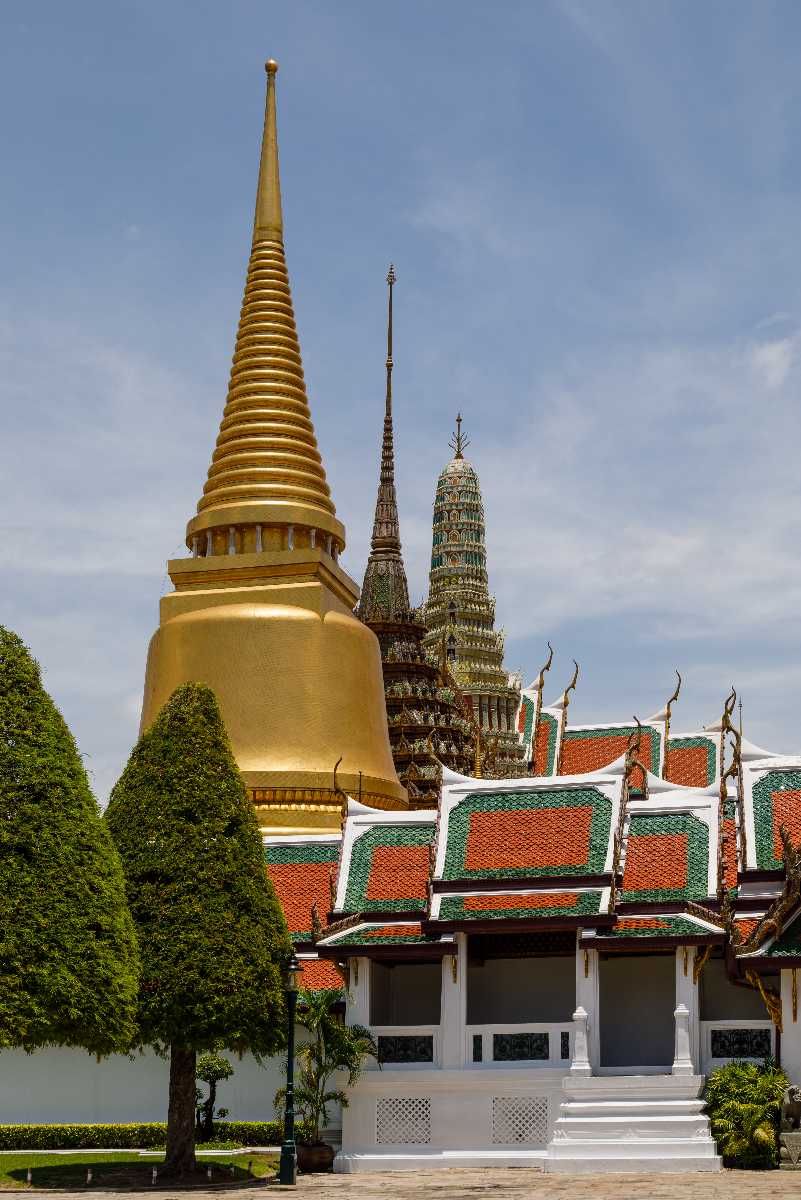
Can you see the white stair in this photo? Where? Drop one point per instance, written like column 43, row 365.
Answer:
column 632, row 1123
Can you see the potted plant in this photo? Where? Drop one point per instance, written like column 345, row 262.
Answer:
column 332, row 1048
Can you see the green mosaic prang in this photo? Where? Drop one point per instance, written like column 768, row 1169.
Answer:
column 567, row 798
column 676, row 927
column 303, row 852
column 361, row 865
column 453, row 908
column 697, row 854
column 577, row 734
column 774, row 781
column 553, row 731
column 363, row 937
column 695, row 743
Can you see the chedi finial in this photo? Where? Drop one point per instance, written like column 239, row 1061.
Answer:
column 458, row 442
column 269, row 222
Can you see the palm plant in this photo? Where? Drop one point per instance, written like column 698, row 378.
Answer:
column 743, row 1101
column 333, row 1048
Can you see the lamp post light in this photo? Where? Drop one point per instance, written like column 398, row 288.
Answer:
column 288, row 1166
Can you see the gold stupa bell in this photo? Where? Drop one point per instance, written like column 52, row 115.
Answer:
column 262, row 611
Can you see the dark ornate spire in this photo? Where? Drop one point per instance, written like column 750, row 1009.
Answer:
column 385, row 592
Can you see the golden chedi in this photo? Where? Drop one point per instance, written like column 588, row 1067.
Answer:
column 262, row 611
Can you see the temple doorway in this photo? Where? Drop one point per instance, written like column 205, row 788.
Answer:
column 637, row 995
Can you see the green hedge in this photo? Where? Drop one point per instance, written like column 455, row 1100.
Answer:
column 151, row 1136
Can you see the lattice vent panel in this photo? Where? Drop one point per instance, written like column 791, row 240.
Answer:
column 403, row 1120
column 518, row 1120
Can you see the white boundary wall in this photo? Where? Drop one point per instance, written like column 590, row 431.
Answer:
column 59, row 1085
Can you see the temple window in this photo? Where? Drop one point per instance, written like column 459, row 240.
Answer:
column 405, row 993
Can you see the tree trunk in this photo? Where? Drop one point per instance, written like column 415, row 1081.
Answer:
column 180, row 1157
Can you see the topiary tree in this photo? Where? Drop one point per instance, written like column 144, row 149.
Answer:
column 211, row 1069
column 213, row 938
column 68, row 956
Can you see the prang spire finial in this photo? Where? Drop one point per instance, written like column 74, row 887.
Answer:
column 391, row 277
column 458, row 442
column 385, row 591
column 268, row 221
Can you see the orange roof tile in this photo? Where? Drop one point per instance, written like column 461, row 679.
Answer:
column 655, row 861
column 529, row 838
column 398, row 873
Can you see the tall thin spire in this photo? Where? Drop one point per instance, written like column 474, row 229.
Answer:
column 385, row 592
column 268, row 221
column 266, row 472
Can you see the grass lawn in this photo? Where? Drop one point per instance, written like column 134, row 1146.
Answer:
column 124, row 1170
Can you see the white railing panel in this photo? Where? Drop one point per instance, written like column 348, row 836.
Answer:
column 407, row 1045
column 723, row 1041
column 533, row 1043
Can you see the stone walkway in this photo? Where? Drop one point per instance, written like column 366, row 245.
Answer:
column 504, row 1184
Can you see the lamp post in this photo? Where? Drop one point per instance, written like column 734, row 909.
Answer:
column 288, row 1167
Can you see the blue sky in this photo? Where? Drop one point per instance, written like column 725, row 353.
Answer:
column 593, row 210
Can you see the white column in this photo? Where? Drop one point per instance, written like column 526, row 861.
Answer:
column 290, row 537
column 453, row 1009
column 231, row 539
column 791, row 1029
column 587, row 1001
column 358, row 1009
column 687, row 994
column 258, row 539
column 682, row 1062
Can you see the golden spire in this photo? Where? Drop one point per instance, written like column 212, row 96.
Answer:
column 262, row 612
column 266, row 472
column 268, row 221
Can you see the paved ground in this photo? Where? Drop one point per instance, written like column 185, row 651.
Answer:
column 502, row 1184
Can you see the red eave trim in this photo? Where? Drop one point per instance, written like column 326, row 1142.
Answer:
column 567, row 883
column 522, row 924
column 398, row 949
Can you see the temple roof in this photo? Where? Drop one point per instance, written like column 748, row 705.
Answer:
column 620, row 856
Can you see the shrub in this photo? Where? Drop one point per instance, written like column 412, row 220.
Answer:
column 151, row 1135
column 743, row 1101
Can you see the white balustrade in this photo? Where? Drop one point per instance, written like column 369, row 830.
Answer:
column 420, row 1042
column 723, row 1041
column 536, row 1043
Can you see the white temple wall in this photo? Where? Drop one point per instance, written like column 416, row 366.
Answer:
column 723, row 1000
column 791, row 1031
column 516, row 990
column 60, row 1086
